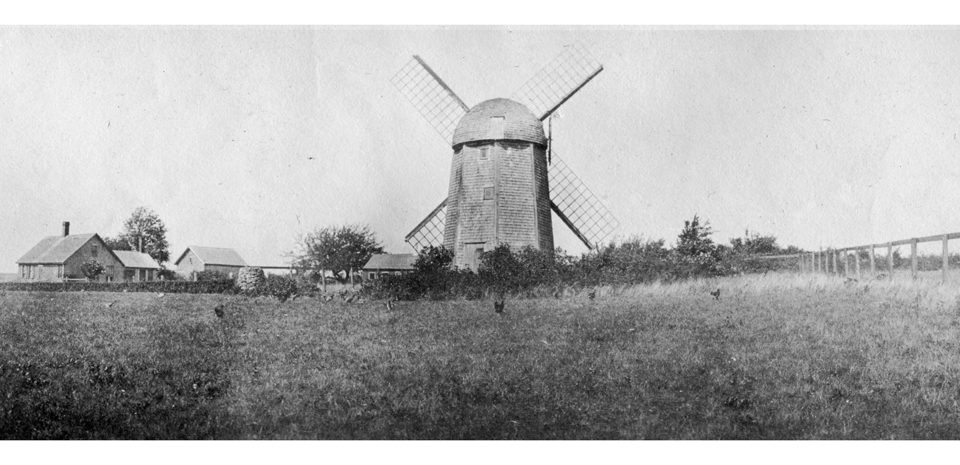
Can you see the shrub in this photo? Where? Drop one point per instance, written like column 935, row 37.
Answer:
column 281, row 287
column 250, row 279
column 91, row 269
column 211, row 275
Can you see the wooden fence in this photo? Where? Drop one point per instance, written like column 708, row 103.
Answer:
column 830, row 260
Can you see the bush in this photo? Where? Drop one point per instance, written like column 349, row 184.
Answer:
column 211, row 275
column 91, row 269
column 250, row 279
column 281, row 287
column 168, row 275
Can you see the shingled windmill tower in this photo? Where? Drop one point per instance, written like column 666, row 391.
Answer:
column 504, row 176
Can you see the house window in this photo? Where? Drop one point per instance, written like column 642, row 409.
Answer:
column 488, row 193
column 93, row 251
column 59, row 271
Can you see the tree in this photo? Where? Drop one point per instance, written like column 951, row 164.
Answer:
column 433, row 260
column 337, row 248
column 694, row 240
column 755, row 244
column 143, row 225
column 116, row 243
column 91, row 269
column 501, row 268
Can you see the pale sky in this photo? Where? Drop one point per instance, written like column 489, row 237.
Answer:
column 820, row 137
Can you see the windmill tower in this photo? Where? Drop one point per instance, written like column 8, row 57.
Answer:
column 504, row 176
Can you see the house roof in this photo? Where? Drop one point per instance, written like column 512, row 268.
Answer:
column 214, row 256
column 517, row 123
column 57, row 249
column 391, row 261
column 132, row 259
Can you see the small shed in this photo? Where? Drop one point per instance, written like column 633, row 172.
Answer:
column 388, row 263
column 137, row 266
column 200, row 258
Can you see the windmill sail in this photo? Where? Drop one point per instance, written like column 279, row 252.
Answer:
column 429, row 233
column 553, row 85
column 430, row 96
column 578, row 207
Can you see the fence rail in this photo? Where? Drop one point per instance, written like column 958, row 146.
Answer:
column 829, row 260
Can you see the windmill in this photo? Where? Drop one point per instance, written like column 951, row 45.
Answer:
column 505, row 177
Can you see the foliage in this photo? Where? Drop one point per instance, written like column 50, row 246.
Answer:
column 635, row 260
column 143, row 224
column 755, row 243
column 281, row 287
column 433, row 259
column 337, row 248
column 172, row 287
column 116, row 243
column 91, row 269
column 168, row 275
column 211, row 275
column 694, row 240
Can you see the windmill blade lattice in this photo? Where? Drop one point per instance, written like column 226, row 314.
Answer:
column 430, row 96
column 430, row 231
column 578, row 207
column 558, row 81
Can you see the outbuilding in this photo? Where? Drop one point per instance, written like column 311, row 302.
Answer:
column 388, row 263
column 199, row 258
column 137, row 266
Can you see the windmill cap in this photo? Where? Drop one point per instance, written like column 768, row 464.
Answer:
column 499, row 119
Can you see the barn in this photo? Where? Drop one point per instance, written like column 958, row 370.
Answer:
column 137, row 266
column 58, row 258
column 199, row 258
column 388, row 263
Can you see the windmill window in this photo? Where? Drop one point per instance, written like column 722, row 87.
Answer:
column 488, row 193
column 484, row 153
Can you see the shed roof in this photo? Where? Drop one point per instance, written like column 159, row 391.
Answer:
column 391, row 261
column 214, row 256
column 483, row 122
column 133, row 259
column 56, row 249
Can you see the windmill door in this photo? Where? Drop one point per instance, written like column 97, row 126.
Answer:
column 472, row 252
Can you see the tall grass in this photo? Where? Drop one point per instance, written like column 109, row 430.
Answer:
column 777, row 356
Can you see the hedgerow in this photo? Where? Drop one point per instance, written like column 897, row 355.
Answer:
column 173, row 287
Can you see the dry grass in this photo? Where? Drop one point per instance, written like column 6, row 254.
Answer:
column 778, row 356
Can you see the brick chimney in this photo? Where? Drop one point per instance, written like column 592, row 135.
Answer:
column 66, row 228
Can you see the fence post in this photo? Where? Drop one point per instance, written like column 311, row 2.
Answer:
column 846, row 263
column 913, row 258
column 856, row 262
column 890, row 259
column 833, row 255
column 946, row 258
column 873, row 259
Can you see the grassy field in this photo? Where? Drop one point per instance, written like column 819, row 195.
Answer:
column 777, row 357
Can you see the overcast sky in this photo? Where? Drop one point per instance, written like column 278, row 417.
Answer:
column 246, row 137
